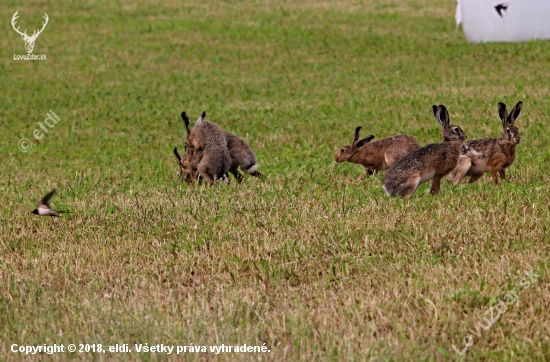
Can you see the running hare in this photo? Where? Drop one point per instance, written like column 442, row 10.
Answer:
column 433, row 161
column 490, row 154
column 378, row 155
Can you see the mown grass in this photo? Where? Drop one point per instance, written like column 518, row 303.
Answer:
column 315, row 261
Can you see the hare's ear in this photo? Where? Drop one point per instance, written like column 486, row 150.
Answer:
column 177, row 154
column 186, row 122
column 437, row 114
column 444, row 116
column 364, row 141
column 356, row 137
column 203, row 116
column 503, row 114
column 514, row 113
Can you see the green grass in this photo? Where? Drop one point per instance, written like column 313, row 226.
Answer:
column 315, row 261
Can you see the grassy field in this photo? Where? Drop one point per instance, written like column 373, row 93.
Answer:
column 315, row 262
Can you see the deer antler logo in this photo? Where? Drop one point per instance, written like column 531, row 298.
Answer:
column 29, row 40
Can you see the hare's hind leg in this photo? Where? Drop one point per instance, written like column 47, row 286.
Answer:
column 203, row 171
column 462, row 168
column 257, row 174
column 410, row 186
column 235, row 172
column 502, row 174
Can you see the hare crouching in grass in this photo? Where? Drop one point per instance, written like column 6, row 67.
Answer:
column 378, row 155
column 490, row 154
column 433, row 161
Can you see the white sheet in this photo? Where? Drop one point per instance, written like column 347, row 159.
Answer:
column 504, row 20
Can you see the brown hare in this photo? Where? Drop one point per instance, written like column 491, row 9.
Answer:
column 208, row 138
column 242, row 157
column 378, row 155
column 490, row 154
column 433, row 161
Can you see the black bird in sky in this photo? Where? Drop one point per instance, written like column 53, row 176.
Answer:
column 501, row 7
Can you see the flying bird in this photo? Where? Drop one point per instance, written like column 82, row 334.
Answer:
column 500, row 7
column 42, row 208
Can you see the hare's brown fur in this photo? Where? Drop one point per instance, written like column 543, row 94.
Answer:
column 378, row 155
column 183, row 164
column 433, row 161
column 189, row 164
column 242, row 157
column 492, row 155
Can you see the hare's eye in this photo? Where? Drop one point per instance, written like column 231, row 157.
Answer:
column 508, row 131
column 342, row 150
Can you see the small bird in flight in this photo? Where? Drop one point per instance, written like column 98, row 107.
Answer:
column 501, row 7
column 42, row 208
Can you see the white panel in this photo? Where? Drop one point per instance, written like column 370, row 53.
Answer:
column 519, row 20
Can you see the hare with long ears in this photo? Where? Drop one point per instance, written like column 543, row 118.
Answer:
column 433, row 161
column 492, row 155
column 209, row 138
column 378, row 155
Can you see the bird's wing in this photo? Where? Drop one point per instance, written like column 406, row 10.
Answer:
column 45, row 199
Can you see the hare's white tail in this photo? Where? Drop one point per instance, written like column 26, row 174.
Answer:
column 251, row 169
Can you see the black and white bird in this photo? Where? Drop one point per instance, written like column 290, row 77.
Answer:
column 43, row 209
